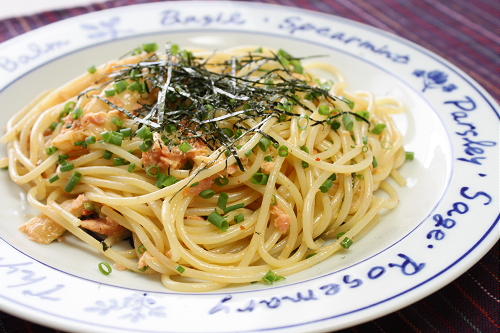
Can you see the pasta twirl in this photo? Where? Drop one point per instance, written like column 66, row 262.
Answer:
column 217, row 168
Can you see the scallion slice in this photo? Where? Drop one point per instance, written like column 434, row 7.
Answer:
column 207, row 194
column 272, row 277
column 73, row 181
column 221, row 181
column 219, row 221
column 105, row 268
column 233, row 207
column 260, row 178
column 409, row 156
column 222, row 201
column 346, row 242
column 379, row 128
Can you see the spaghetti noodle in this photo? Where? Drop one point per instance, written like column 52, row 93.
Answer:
column 218, row 168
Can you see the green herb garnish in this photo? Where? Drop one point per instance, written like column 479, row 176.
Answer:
column 105, row 268
column 219, row 221
column 272, row 277
column 379, row 128
column 409, row 156
column 73, row 181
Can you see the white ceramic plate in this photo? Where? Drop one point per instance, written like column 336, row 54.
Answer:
column 446, row 221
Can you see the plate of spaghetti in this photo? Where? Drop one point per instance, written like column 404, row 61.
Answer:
column 254, row 168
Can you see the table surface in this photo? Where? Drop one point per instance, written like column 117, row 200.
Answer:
column 465, row 32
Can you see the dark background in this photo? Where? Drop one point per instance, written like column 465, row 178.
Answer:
column 466, row 33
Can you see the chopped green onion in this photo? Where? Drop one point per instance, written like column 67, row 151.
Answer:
column 347, row 121
column 268, row 158
column 326, row 186
column 346, row 242
column 310, row 255
column 92, row 69
column 126, row 132
column 51, row 150
column 54, row 125
column 67, row 167
column 105, row 268
column 207, row 194
column 297, row 66
column 283, row 57
column 107, row 155
column 379, row 128
column 141, row 249
column 219, row 221
column 110, row 92
column 180, row 269
column 194, row 184
column 175, row 49
column 272, row 277
column 144, row 133
column 340, row 234
column 150, row 47
column 374, row 162
column 283, row 151
column 346, row 100
column 170, row 128
column 304, row 164
column 62, row 158
column 335, row 125
column 365, row 114
column 324, row 110
column 144, row 88
column 260, row 178
column 264, row 143
column 131, row 167
column 333, row 177
column 221, row 181
column 54, row 179
column 120, row 161
column 89, row 206
column 81, row 143
column 73, row 181
column 68, row 107
column 222, row 201
column 239, row 218
column 185, row 147
column 117, row 121
column 227, row 132
column 304, row 148
column 77, row 113
column 238, row 133
column 233, row 207
column 165, row 180
column 146, row 145
column 134, row 86
column 90, row 140
column 113, row 137
column 121, row 86
column 409, row 156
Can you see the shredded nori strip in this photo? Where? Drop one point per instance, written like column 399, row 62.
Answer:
column 197, row 100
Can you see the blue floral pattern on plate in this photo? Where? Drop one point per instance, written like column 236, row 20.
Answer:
column 105, row 29
column 434, row 79
column 135, row 307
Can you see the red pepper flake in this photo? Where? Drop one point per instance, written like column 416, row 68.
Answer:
column 242, row 227
column 318, row 159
